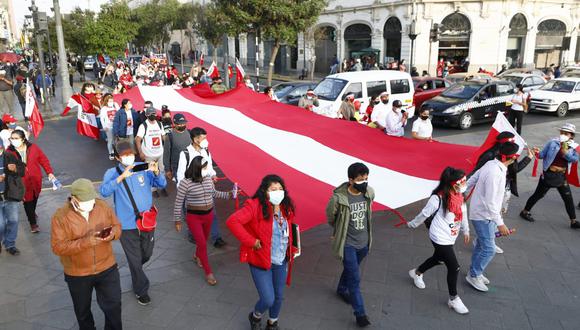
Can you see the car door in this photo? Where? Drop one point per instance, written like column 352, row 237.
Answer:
column 528, row 84
column 484, row 106
column 425, row 89
column 575, row 97
column 504, row 93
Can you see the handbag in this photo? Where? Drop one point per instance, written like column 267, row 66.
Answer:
column 430, row 218
column 146, row 220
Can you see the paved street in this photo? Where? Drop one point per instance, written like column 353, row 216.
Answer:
column 534, row 284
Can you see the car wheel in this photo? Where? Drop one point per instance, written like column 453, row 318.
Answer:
column 465, row 120
column 562, row 110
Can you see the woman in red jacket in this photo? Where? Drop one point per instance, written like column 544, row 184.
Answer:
column 31, row 155
column 264, row 228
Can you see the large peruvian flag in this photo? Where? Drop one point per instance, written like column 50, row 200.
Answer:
column 77, row 101
column 250, row 137
column 32, row 112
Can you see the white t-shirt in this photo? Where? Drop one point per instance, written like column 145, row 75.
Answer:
column 423, row 128
column 107, row 116
column 151, row 145
column 519, row 98
column 394, row 124
column 445, row 227
column 379, row 114
column 130, row 123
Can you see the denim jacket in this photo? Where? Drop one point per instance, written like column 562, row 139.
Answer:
column 551, row 149
column 120, row 123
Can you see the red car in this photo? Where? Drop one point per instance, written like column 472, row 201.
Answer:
column 427, row 88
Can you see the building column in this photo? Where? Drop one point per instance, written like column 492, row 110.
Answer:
column 301, row 51
column 378, row 42
column 231, row 49
column 339, row 47
column 571, row 53
column 529, row 48
column 243, row 48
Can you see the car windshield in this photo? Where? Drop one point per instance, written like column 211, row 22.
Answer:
column 462, row 91
column 514, row 79
column 329, row 88
column 282, row 90
column 561, row 86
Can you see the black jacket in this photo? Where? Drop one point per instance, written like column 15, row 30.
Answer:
column 513, row 169
column 14, row 190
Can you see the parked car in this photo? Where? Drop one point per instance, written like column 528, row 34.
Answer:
column 465, row 76
column 89, row 62
column 536, row 72
column 469, row 102
column 558, row 95
column 570, row 72
column 332, row 90
column 529, row 81
column 291, row 92
column 427, row 88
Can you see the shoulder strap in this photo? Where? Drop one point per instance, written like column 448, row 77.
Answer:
column 135, row 209
column 438, row 206
column 186, row 153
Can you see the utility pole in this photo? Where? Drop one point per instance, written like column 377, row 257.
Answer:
column 62, row 63
column 40, row 25
column 257, row 60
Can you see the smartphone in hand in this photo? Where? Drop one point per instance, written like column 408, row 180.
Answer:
column 140, row 167
column 105, row 232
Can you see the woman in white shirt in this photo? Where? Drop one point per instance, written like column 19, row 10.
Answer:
column 519, row 106
column 107, row 115
column 447, row 209
column 422, row 127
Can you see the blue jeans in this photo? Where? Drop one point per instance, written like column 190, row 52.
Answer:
column 270, row 285
column 8, row 223
column 349, row 283
column 215, row 228
column 484, row 249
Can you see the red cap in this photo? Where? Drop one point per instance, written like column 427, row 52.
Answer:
column 357, row 105
column 19, row 78
column 7, row 118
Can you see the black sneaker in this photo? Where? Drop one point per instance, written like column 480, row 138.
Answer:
column 272, row 326
column 219, row 243
column 13, row 251
column 255, row 323
column 362, row 321
column 573, row 225
column 144, row 300
column 344, row 296
column 527, row 216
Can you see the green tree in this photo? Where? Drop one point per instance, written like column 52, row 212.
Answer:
column 211, row 23
column 157, row 18
column 277, row 20
column 112, row 29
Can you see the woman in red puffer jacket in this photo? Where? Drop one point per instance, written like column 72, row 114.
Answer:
column 264, row 228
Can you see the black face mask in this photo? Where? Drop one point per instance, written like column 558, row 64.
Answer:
column 385, row 101
column 424, row 117
column 361, row 187
column 180, row 128
column 152, row 117
column 376, row 102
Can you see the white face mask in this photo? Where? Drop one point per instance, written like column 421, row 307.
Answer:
column 563, row 138
column 463, row 189
column 128, row 160
column 87, row 206
column 110, row 104
column 276, row 196
column 204, row 144
column 16, row 143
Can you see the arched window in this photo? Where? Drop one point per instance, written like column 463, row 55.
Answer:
column 549, row 41
column 324, row 47
column 552, row 27
column 357, row 37
column 516, row 41
column 392, row 35
column 454, row 40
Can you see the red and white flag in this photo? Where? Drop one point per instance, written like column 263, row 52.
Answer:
column 32, row 112
column 240, row 73
column 201, row 60
column 213, row 71
column 77, row 101
column 501, row 124
column 87, row 124
column 243, row 125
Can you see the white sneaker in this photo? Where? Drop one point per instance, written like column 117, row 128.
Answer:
column 498, row 250
column 457, row 305
column 477, row 283
column 417, row 279
column 484, row 279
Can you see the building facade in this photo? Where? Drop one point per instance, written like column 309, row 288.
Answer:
column 7, row 25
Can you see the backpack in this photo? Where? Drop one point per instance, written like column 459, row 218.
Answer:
column 430, row 218
column 145, row 128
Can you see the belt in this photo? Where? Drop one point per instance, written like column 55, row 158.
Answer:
column 555, row 169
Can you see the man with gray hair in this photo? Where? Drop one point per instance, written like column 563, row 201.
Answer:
column 6, row 93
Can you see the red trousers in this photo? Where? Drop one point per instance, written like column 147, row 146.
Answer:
column 200, row 226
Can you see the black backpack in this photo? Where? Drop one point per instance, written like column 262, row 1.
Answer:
column 145, row 128
column 430, row 218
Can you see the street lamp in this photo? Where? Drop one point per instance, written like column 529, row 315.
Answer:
column 39, row 20
column 413, row 33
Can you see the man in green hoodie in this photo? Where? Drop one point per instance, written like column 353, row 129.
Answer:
column 349, row 214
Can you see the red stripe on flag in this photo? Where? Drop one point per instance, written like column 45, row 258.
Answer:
column 87, row 130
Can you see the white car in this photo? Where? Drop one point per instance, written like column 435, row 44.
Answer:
column 529, row 81
column 558, row 95
column 89, row 61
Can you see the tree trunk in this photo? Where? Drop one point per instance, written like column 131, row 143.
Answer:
column 272, row 60
column 214, row 56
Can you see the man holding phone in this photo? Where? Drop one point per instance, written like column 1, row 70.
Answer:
column 82, row 232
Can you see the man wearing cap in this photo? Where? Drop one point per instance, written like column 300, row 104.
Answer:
column 217, row 86
column 6, row 94
column 12, row 171
column 138, row 245
column 11, row 126
column 346, row 110
column 556, row 155
column 395, row 120
column 309, row 101
column 149, row 142
column 82, row 232
column 175, row 142
column 485, row 211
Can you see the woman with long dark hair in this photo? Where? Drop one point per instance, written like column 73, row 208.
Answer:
column 447, row 209
column 196, row 193
column 264, row 228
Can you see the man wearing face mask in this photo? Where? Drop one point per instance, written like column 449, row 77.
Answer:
column 175, row 142
column 485, row 211
column 138, row 245
column 308, row 101
column 422, row 127
column 199, row 147
column 556, row 155
column 10, row 125
column 149, row 142
column 380, row 110
column 396, row 120
column 349, row 214
column 82, row 232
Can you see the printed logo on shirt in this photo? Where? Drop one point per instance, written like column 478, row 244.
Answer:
column 129, row 122
column 358, row 212
column 155, row 141
column 111, row 115
column 141, row 180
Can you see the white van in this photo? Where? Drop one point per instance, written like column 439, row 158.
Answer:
column 332, row 90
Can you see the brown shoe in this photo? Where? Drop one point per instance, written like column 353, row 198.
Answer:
column 34, row 229
column 210, row 279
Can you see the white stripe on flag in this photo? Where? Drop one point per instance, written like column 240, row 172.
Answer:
column 393, row 189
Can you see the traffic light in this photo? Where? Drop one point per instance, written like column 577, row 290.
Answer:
column 434, row 33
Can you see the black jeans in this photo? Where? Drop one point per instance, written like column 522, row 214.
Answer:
column 138, row 247
column 564, row 191
column 515, row 118
column 445, row 254
column 30, row 210
column 107, row 285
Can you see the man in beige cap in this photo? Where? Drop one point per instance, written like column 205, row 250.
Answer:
column 81, row 235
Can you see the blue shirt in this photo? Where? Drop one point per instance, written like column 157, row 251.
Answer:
column 140, row 184
column 551, row 149
column 280, row 236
